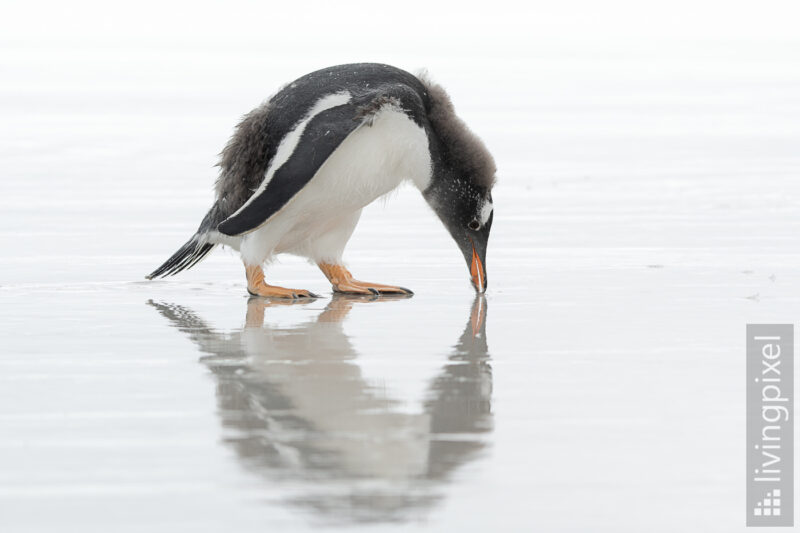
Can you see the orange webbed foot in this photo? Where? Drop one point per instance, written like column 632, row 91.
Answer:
column 343, row 282
column 256, row 286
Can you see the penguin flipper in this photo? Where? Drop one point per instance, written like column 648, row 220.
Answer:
column 320, row 138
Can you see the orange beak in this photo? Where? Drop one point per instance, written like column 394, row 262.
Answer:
column 477, row 272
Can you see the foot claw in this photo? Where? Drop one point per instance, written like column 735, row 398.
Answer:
column 304, row 294
column 358, row 287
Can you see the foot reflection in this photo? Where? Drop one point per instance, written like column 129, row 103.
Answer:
column 297, row 409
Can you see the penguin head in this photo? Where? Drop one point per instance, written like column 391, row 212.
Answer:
column 463, row 174
column 466, row 210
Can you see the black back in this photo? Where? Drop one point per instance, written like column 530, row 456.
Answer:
column 370, row 85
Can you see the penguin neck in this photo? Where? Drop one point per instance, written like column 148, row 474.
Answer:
column 440, row 172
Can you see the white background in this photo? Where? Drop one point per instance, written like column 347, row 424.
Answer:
column 647, row 208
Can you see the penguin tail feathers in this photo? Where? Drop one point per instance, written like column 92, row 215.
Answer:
column 187, row 256
column 195, row 249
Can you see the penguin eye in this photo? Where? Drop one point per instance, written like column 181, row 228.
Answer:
column 474, row 225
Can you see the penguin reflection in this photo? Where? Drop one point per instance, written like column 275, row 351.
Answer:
column 298, row 409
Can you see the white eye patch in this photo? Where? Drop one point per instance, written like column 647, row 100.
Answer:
column 486, row 212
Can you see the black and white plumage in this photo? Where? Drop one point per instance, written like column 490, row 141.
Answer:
column 299, row 169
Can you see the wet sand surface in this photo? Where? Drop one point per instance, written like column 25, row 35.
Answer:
column 599, row 384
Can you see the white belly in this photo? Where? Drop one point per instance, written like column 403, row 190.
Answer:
column 371, row 162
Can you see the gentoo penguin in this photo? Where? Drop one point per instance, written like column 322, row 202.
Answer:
column 299, row 169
